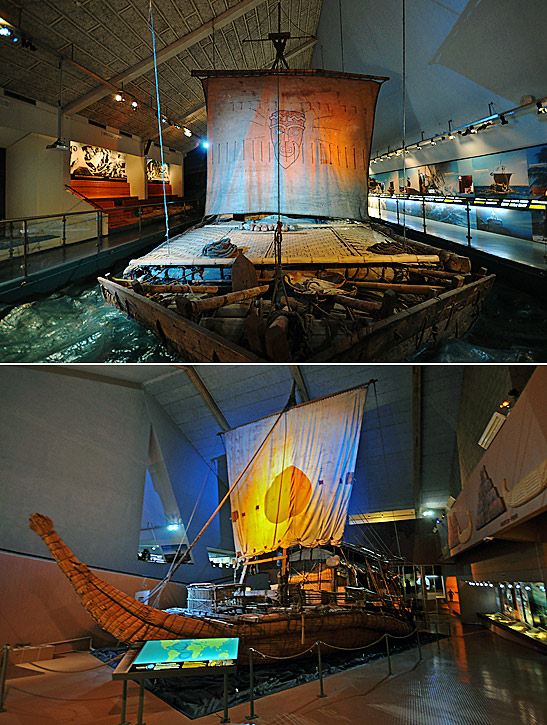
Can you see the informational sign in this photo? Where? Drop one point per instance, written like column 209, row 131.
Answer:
column 174, row 655
column 94, row 162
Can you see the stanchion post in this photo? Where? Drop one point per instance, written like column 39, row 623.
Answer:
column 321, row 691
column 419, row 643
column 5, row 657
column 252, row 715
column 140, row 708
column 123, row 721
column 387, row 652
column 225, row 718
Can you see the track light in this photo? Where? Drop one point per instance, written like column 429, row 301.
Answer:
column 451, row 137
column 187, row 132
column 119, row 97
column 134, row 104
column 541, row 108
column 473, row 129
column 205, row 144
column 503, row 120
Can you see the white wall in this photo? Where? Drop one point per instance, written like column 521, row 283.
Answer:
column 35, row 176
column 135, row 168
column 461, row 55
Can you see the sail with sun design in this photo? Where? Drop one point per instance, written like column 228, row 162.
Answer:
column 291, row 477
column 294, row 474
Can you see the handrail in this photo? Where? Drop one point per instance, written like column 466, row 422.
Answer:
column 75, row 213
column 82, row 196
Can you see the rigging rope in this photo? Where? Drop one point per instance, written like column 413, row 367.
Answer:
column 151, row 26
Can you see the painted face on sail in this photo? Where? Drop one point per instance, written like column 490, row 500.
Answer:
column 286, row 129
column 287, row 496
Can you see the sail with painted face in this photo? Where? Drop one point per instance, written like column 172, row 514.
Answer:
column 297, row 140
column 294, row 472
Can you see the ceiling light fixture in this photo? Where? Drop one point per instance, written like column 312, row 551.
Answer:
column 187, row 132
column 134, row 104
column 119, row 97
column 503, row 120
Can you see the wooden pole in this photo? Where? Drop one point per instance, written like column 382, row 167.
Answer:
column 410, row 289
column 177, row 288
column 362, row 305
column 189, row 308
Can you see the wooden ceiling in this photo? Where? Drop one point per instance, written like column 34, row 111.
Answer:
column 107, row 45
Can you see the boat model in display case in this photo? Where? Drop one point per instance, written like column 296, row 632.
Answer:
column 286, row 265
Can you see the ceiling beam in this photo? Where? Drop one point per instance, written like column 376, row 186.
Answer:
column 210, row 402
column 417, row 435
column 300, row 383
column 72, row 372
column 201, row 106
column 225, row 18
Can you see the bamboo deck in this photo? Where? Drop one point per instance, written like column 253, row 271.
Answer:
column 339, row 243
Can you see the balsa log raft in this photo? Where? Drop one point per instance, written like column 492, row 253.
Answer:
column 279, row 634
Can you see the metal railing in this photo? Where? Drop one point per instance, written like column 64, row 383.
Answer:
column 482, row 224
column 24, row 240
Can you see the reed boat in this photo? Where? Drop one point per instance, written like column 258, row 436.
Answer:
column 289, row 498
column 286, row 265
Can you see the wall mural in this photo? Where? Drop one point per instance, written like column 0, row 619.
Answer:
column 510, row 483
column 94, row 162
column 520, row 174
column 155, row 171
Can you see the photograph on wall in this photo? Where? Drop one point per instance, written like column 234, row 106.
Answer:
column 510, row 222
column 537, row 171
column 450, row 214
column 156, row 172
column 94, row 162
column 450, row 178
column 502, row 175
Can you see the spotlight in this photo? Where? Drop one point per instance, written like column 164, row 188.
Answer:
column 541, row 108
column 163, row 119
column 205, row 144
column 427, row 512
column 503, row 120
column 433, row 143
column 5, row 31
column 134, row 104
column 187, row 132
column 173, row 527
column 473, row 129
column 451, row 137
column 119, row 97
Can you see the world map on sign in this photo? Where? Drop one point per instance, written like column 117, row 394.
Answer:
column 187, row 653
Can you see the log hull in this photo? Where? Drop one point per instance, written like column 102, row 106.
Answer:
column 278, row 634
column 448, row 315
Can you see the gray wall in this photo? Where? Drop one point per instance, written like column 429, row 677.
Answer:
column 75, row 450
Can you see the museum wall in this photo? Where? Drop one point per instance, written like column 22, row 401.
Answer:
column 76, row 450
column 39, row 605
column 36, row 178
column 195, row 485
column 134, row 166
column 461, row 56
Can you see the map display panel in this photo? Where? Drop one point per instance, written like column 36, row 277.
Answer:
column 177, row 654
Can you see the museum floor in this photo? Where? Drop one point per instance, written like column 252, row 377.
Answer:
column 474, row 678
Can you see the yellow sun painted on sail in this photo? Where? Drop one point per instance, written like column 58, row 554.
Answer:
column 287, row 496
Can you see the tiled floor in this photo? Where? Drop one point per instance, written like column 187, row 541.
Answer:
column 473, row 678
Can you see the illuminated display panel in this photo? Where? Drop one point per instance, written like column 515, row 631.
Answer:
column 185, row 654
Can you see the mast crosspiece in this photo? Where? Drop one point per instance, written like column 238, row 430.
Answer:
column 279, row 41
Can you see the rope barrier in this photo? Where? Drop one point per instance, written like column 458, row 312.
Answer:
column 87, row 669
column 289, row 657
column 353, row 649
